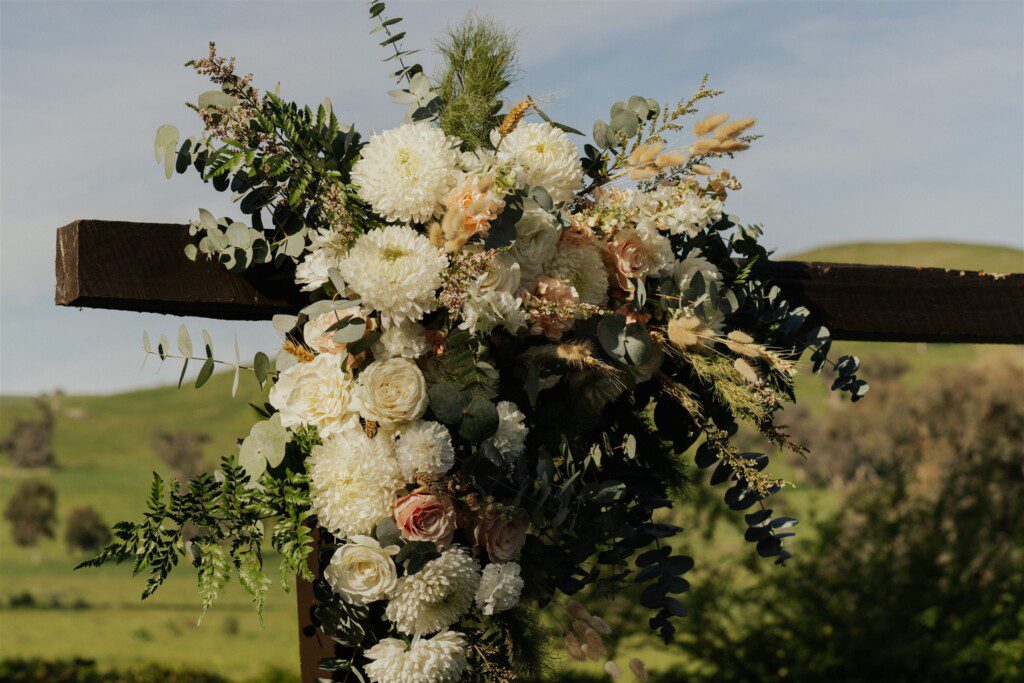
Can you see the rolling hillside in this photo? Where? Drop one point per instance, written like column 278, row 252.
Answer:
column 104, row 453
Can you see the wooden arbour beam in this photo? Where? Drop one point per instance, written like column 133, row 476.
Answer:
column 142, row 267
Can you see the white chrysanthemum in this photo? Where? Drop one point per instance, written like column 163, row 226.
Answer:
column 581, row 266
column 405, row 172
column 326, row 250
column 440, row 659
column 404, row 339
column 353, row 482
column 500, row 586
column 509, row 442
column 319, row 393
column 694, row 263
column 536, row 238
column 424, row 446
column 543, row 155
column 485, row 310
column 396, row 271
column 437, row 595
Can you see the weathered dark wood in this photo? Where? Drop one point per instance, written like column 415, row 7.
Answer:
column 313, row 644
column 141, row 267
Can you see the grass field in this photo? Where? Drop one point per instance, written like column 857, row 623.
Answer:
column 104, row 453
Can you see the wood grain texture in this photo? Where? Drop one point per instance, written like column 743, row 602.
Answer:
column 142, row 267
column 314, row 645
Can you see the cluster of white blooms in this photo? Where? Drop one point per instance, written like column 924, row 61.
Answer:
column 353, row 482
column 437, row 595
column 424, row 446
column 509, row 441
column 404, row 338
column 438, row 659
column 319, row 393
column 326, row 250
column 542, row 156
column 679, row 209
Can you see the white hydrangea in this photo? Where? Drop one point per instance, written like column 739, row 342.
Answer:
column 500, row 586
column 485, row 310
column 395, row 271
column 353, row 482
column 405, row 172
column 536, row 238
column 437, row 595
column 326, row 250
column 439, row 659
column 402, row 339
column 659, row 250
column 581, row 266
column 424, row 446
column 319, row 393
column 542, row 155
column 509, row 441
column 681, row 210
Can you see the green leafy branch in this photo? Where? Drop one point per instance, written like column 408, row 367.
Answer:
column 260, row 367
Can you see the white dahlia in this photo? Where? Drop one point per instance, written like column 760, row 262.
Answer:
column 353, row 482
column 424, row 446
column 395, row 271
column 509, row 442
column 437, row 595
column 404, row 339
column 326, row 250
column 500, row 586
column 536, row 237
column 405, row 172
column 440, row 659
column 581, row 266
column 543, row 155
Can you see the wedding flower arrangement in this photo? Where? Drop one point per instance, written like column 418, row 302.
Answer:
column 512, row 339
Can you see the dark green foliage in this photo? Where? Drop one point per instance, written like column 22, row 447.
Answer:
column 17, row 670
column 86, row 530
column 479, row 62
column 32, row 513
column 918, row 577
column 29, row 443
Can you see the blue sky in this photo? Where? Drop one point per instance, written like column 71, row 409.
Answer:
column 883, row 121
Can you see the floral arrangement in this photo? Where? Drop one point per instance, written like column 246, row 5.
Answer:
column 508, row 350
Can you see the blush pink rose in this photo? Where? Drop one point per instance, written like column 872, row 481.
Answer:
column 501, row 535
column 422, row 516
column 629, row 257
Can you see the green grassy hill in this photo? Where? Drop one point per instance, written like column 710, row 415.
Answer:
column 105, row 458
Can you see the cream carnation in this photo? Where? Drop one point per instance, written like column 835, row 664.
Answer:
column 361, row 571
column 439, row 659
column 437, row 595
column 543, row 155
column 326, row 250
column 404, row 339
column 500, row 586
column 395, row 271
column 405, row 172
column 424, row 446
column 353, row 482
column 581, row 266
column 536, row 238
column 318, row 393
column 392, row 391
column 509, row 441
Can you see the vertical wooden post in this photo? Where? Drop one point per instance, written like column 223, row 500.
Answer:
column 314, row 645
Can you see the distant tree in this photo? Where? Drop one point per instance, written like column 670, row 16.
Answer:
column 182, row 450
column 86, row 530
column 32, row 513
column 30, row 441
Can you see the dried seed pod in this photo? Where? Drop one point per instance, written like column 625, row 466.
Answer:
column 589, row 652
column 645, row 153
column 577, row 611
column 670, row 159
column 734, row 128
column 638, row 669
column 643, row 172
column 613, row 669
column 701, row 169
column 514, row 116
column 746, row 370
column 573, row 646
column 601, row 626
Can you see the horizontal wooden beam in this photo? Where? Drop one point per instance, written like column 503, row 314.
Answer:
column 142, row 267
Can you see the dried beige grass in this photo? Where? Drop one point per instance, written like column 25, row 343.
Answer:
column 300, row 352
column 702, row 169
column 734, row 128
column 670, row 159
column 514, row 116
column 708, row 124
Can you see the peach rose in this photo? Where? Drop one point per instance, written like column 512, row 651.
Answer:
column 502, row 536
column 422, row 516
column 628, row 256
column 470, row 207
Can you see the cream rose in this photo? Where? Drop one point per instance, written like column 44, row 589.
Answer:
column 361, row 571
column 536, row 238
column 422, row 516
column 502, row 274
column 501, row 535
column 318, row 393
column 392, row 391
